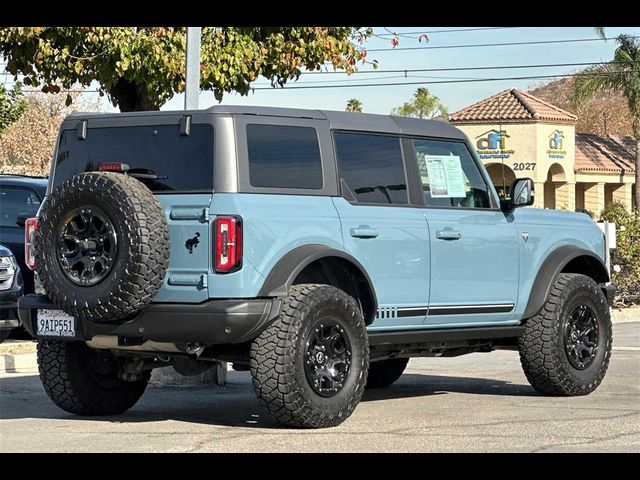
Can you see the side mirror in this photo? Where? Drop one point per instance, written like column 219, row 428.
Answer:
column 522, row 194
column 22, row 218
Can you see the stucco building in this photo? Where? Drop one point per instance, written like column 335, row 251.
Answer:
column 519, row 135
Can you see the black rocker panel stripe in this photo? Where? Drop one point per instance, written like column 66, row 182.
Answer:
column 469, row 309
column 412, row 312
column 452, row 310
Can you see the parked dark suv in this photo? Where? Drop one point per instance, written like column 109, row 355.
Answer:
column 20, row 198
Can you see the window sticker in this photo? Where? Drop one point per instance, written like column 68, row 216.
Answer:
column 446, row 178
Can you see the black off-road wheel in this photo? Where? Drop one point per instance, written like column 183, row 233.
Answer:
column 102, row 246
column 309, row 367
column 385, row 372
column 566, row 348
column 86, row 381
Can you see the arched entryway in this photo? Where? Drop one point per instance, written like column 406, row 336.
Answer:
column 501, row 176
column 555, row 188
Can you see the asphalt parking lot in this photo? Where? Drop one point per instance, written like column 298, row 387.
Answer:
column 476, row 403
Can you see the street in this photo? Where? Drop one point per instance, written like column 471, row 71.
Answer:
column 475, row 403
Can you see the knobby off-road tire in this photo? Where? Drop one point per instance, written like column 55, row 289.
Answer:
column 84, row 381
column 133, row 216
column 544, row 355
column 385, row 372
column 280, row 357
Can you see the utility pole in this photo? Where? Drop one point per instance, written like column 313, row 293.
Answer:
column 192, row 86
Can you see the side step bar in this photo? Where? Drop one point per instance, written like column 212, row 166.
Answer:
column 443, row 335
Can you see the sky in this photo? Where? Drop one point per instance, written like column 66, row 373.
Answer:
column 432, row 55
column 454, row 95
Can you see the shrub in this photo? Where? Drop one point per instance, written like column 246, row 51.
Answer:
column 626, row 254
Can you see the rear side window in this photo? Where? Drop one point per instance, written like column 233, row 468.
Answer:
column 16, row 201
column 371, row 167
column 178, row 162
column 284, row 157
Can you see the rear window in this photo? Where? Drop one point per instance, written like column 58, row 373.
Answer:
column 170, row 160
column 284, row 157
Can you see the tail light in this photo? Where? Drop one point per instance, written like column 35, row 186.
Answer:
column 228, row 243
column 30, row 227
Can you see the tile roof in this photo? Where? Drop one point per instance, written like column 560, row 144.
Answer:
column 601, row 153
column 511, row 106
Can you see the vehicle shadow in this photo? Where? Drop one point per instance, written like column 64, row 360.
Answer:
column 233, row 405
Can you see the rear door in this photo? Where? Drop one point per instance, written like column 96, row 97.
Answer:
column 176, row 163
column 379, row 227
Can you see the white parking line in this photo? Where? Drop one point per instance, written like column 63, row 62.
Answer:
column 627, row 349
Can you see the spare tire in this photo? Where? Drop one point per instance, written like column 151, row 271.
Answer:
column 102, row 246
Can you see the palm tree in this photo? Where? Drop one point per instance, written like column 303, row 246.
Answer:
column 422, row 105
column 354, row 105
column 622, row 74
column 600, row 32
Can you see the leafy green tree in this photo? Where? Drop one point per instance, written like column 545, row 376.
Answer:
column 422, row 105
column 622, row 74
column 12, row 105
column 354, row 105
column 140, row 68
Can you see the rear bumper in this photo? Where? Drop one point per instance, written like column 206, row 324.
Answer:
column 213, row 322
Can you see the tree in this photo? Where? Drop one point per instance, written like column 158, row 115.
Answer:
column 140, row 68
column 422, row 105
column 354, row 105
column 607, row 113
column 623, row 74
column 26, row 146
column 12, row 105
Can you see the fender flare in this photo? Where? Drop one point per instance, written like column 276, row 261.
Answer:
column 285, row 271
column 549, row 271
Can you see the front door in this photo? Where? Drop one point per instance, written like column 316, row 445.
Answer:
column 473, row 244
column 379, row 228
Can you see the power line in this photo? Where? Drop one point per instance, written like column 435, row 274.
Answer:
column 470, row 80
column 504, row 44
column 447, row 69
column 459, row 69
column 453, row 30
column 391, row 84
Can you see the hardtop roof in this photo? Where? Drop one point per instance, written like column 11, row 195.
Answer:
column 338, row 120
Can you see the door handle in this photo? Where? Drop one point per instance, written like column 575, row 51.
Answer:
column 448, row 235
column 364, row 232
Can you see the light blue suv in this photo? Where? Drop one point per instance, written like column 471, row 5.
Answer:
column 319, row 249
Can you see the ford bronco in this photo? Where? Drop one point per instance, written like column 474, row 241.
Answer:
column 320, row 250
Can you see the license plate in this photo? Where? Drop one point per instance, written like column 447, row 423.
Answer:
column 55, row 323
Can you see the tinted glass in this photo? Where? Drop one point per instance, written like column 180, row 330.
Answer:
column 15, row 201
column 371, row 167
column 449, row 175
column 181, row 162
column 284, row 157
